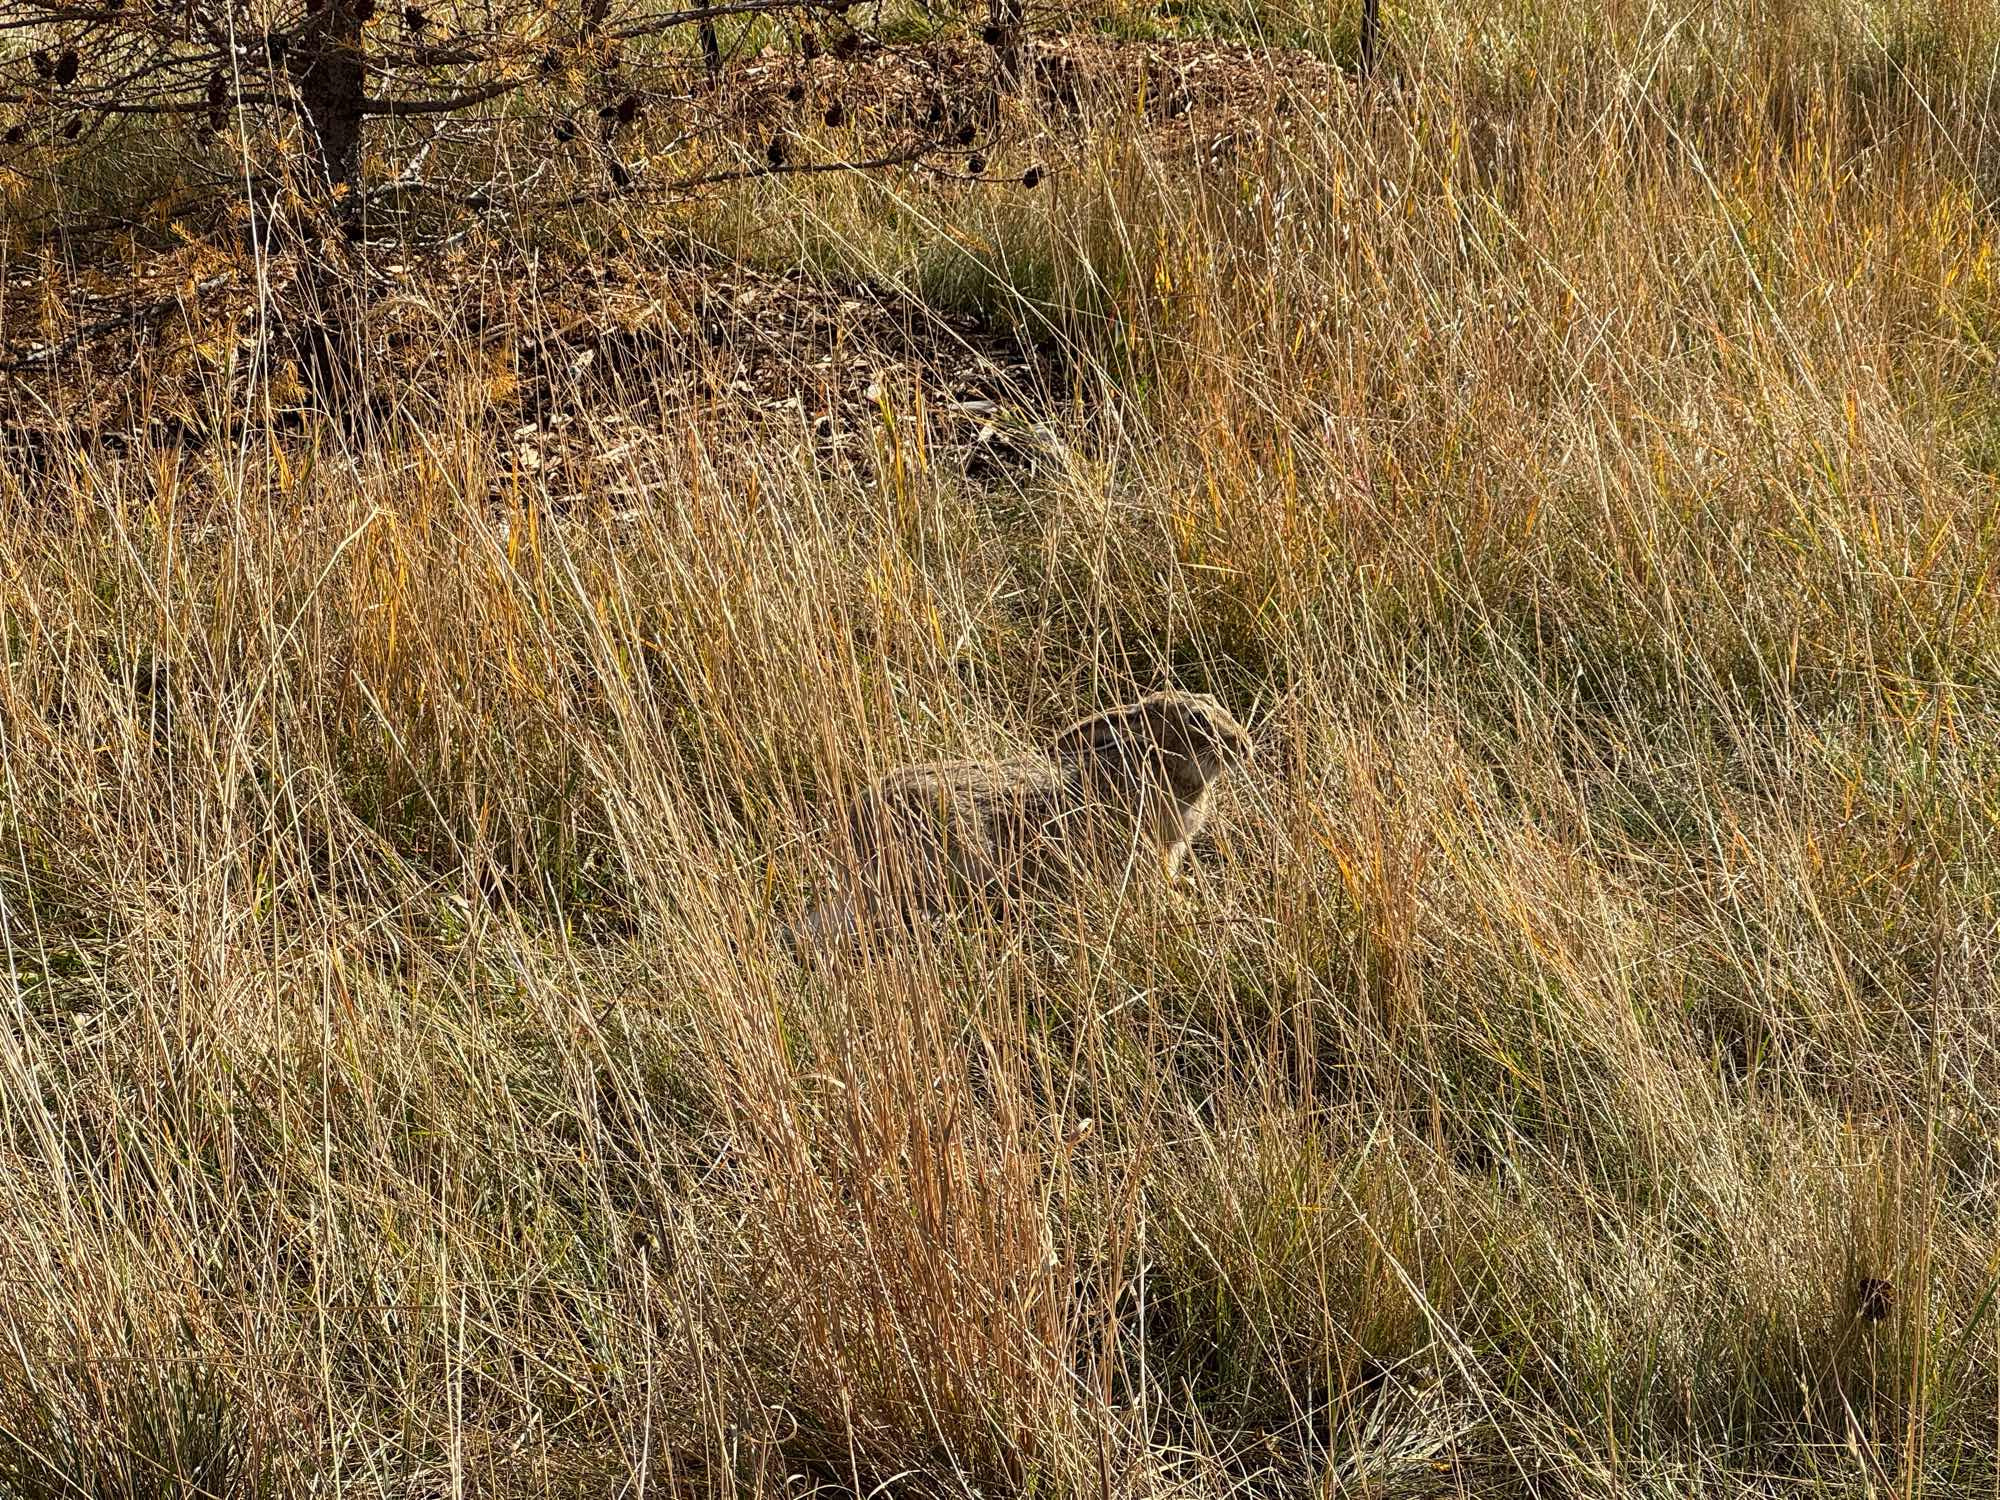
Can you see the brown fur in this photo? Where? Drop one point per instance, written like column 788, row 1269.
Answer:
column 1132, row 779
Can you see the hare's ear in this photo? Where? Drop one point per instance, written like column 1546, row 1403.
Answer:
column 1094, row 735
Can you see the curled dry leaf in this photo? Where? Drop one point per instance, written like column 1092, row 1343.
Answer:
column 1874, row 1298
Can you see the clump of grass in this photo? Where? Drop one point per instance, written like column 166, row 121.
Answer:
column 152, row 1425
column 1569, row 464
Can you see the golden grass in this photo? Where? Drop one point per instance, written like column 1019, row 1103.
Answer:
column 1581, row 456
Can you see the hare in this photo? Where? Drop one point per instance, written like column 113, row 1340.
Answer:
column 1112, row 788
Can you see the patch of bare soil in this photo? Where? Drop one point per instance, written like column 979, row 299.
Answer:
column 749, row 350
column 186, row 354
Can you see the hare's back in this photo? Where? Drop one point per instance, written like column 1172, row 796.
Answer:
column 934, row 833
column 987, row 796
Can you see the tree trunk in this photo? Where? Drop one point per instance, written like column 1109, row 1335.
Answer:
column 326, row 64
column 1371, row 29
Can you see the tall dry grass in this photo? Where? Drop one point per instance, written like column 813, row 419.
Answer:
column 1581, row 453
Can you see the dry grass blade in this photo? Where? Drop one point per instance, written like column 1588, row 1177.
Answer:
column 1570, row 1059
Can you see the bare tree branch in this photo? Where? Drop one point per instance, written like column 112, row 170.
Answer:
column 401, row 107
